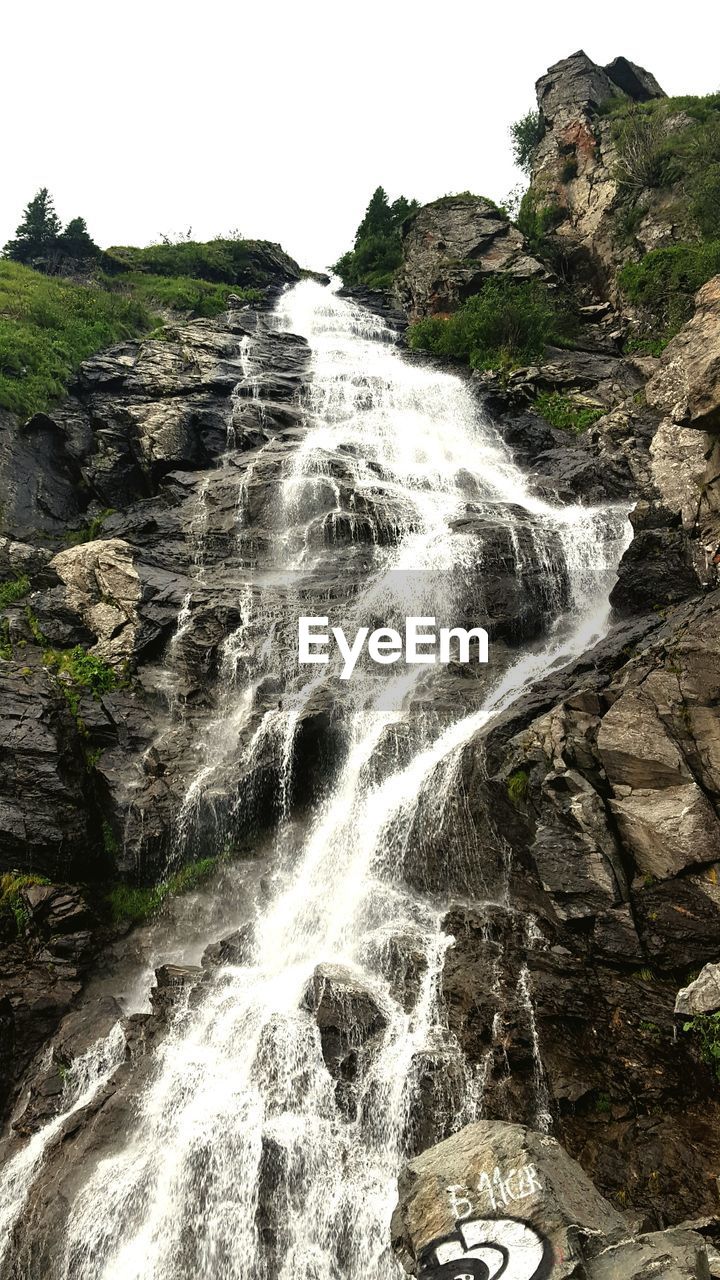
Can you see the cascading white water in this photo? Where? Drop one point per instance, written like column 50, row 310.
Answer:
column 246, row 1158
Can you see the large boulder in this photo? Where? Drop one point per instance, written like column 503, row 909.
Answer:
column 702, row 995
column 451, row 247
column 500, row 1199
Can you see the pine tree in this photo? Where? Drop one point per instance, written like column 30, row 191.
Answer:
column 378, row 220
column 76, row 242
column 38, row 233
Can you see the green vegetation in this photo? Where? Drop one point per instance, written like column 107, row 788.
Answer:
column 665, row 282
column 48, row 327
column 178, row 293
column 669, row 144
column 506, row 325
column 602, row 1103
column 82, row 670
column 526, row 133
column 377, row 251
column 13, row 590
column 220, row 261
column 90, row 531
column 135, row 905
column 517, row 785
column 706, row 1026
column 41, row 241
column 12, row 908
column 668, row 141
column 565, row 413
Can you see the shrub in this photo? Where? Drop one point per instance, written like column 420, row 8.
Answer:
column 509, row 323
column 48, row 327
column 665, row 282
column 563, row 412
column 536, row 220
column 526, row 133
column 13, row 590
column 84, row 669
column 706, row 1026
column 645, row 152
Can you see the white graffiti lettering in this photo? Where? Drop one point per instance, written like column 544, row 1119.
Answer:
column 495, row 1189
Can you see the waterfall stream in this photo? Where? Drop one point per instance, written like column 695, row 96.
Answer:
column 246, row 1157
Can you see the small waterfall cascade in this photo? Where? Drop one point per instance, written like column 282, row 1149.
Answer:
column 254, row 1154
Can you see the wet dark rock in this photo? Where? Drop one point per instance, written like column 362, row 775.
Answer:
column 45, row 813
column 236, row 948
column 347, row 1015
column 171, row 982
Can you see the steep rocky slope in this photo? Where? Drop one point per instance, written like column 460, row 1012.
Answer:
column 596, row 795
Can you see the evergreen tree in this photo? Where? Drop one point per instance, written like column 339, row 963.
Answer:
column 38, row 233
column 378, row 243
column 76, row 242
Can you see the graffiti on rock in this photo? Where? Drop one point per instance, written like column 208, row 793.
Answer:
column 487, row 1249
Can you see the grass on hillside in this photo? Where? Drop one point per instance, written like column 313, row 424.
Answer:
column 220, row 261
column 48, row 325
column 178, row 293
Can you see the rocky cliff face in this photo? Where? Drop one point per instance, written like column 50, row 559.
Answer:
column 597, row 793
column 578, row 175
column 451, row 247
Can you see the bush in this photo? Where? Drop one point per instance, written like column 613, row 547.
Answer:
column 84, row 669
column 706, row 1026
column 672, row 141
column 48, row 327
column 12, row 908
column 506, row 325
column 566, row 414
column 536, row 221
column 665, row 282
column 526, row 133
column 645, row 152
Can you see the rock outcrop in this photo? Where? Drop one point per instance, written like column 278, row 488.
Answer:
column 451, row 247
column 575, row 173
column 500, row 1198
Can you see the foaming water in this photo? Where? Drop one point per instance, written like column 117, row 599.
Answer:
column 247, row 1158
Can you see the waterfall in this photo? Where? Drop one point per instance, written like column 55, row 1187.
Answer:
column 247, row 1158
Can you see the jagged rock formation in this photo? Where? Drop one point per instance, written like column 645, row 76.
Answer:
column 451, row 247
column 575, row 170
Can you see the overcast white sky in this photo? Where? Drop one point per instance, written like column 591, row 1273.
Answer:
column 280, row 118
